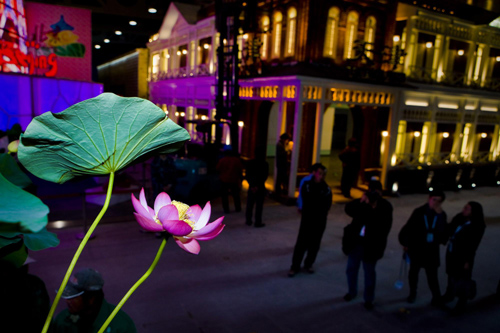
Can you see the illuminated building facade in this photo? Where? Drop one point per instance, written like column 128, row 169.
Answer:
column 416, row 84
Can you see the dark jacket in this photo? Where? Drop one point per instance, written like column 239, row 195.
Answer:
column 316, row 200
column 414, row 236
column 257, row 171
column 462, row 244
column 377, row 222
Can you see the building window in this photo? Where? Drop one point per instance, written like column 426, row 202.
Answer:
column 290, row 32
column 155, row 63
column 265, row 37
column 351, row 34
column 278, row 24
column 330, row 48
column 370, row 28
column 164, row 61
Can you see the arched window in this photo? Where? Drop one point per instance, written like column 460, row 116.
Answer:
column 330, row 48
column 278, row 25
column 370, row 28
column 291, row 27
column 265, row 37
column 351, row 34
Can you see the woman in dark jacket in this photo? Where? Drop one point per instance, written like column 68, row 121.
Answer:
column 465, row 232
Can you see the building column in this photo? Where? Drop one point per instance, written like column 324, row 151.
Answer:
column 410, row 42
column 318, row 132
column 393, row 129
column 297, row 127
column 472, row 59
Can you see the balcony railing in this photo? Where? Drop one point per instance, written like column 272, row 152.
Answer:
column 182, row 72
column 444, row 158
column 422, row 74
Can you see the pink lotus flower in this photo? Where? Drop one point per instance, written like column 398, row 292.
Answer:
column 186, row 224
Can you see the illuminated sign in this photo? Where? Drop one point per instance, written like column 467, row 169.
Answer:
column 11, row 57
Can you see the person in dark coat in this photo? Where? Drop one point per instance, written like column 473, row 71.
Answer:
column 351, row 160
column 465, row 231
column 421, row 237
column 316, row 202
column 257, row 171
column 282, row 165
column 230, row 169
column 370, row 226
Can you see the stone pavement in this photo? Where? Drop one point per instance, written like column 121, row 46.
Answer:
column 238, row 282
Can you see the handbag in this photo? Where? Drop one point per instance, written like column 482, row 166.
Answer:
column 349, row 239
column 403, row 271
column 465, row 288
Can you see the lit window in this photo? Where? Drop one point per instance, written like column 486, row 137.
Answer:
column 278, row 18
column 155, row 63
column 265, row 37
column 290, row 32
column 370, row 28
column 330, row 48
column 351, row 34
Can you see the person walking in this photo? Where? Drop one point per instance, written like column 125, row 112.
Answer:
column 230, row 169
column 465, row 231
column 367, row 233
column 257, row 171
column 351, row 160
column 282, row 165
column 317, row 200
column 420, row 237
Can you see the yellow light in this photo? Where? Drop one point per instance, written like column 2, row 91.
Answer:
column 385, row 134
column 184, row 51
column 118, row 32
column 484, row 135
column 152, row 10
column 177, row 114
column 206, row 46
column 396, row 38
column 245, row 36
column 132, row 22
column 106, row 40
column 416, row 134
column 240, row 123
column 497, row 59
column 203, row 117
column 97, row 46
column 460, row 52
column 183, row 114
column 446, row 134
column 179, row 53
column 428, row 45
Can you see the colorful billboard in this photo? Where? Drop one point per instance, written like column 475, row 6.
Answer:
column 45, row 40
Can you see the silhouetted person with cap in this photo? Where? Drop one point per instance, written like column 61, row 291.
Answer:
column 351, row 160
column 257, row 171
column 230, row 169
column 87, row 309
column 316, row 202
column 421, row 236
column 281, row 181
column 365, row 239
column 465, row 231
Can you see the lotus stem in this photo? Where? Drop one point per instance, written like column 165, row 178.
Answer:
column 135, row 286
column 79, row 251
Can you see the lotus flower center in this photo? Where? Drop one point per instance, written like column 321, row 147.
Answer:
column 184, row 212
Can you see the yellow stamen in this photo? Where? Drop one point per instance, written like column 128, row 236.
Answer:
column 182, row 208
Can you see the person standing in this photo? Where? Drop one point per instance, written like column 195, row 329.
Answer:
column 420, row 238
column 257, row 171
column 351, row 159
column 465, row 231
column 87, row 309
column 370, row 226
column 316, row 202
column 282, row 166
column 230, row 169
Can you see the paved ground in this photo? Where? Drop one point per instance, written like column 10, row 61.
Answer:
column 238, row 282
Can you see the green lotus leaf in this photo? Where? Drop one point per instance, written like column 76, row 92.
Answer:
column 15, row 253
column 41, row 240
column 21, row 208
column 96, row 137
column 11, row 171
